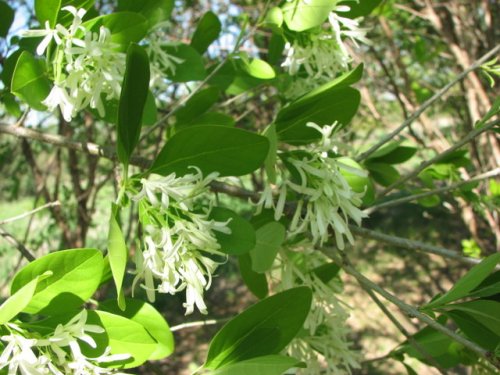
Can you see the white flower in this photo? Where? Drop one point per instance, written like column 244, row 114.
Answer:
column 18, row 355
column 58, row 97
column 178, row 243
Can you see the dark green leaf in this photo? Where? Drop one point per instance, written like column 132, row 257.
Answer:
column 155, row 11
column 76, row 274
column 229, row 151
column 467, row 283
column 125, row 27
column 199, row 103
column 265, row 365
column 276, row 46
column 489, row 287
column 190, row 69
column 256, row 282
column 206, row 32
column 214, row 118
column 486, row 312
column 117, row 253
column 6, row 18
column 269, row 239
column 242, row 237
column 474, row 329
column 325, row 107
column 29, row 81
column 326, row 272
column 147, row 316
column 47, row 10
column 132, row 100
column 393, row 153
column 263, row 329
column 300, row 15
column 384, row 174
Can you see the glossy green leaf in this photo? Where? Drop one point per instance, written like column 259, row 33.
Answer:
column 47, row 10
column 489, row 287
column 326, row 272
column 76, row 274
column 207, row 31
column 270, row 162
column 155, row 11
column 117, row 253
column 355, row 175
column 122, row 335
column 468, row 282
column 132, row 100
column 125, row 27
column 190, row 69
column 300, row 15
column 19, row 300
column 359, row 8
column 325, row 107
column 260, row 69
column 394, row 153
column 474, row 329
column 29, row 81
column 66, row 18
column 383, row 173
column 264, row 328
column 214, row 118
column 6, row 18
column 487, row 312
column 229, row 151
column 9, row 65
column 265, row 365
column 199, row 103
column 147, row 316
column 274, row 17
column 270, row 237
column 242, row 238
column 256, row 282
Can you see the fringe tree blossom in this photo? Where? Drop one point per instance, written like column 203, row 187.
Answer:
column 325, row 201
column 58, row 353
column 179, row 242
column 87, row 68
column 323, row 345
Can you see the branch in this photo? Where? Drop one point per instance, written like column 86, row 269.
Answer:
column 29, row 213
column 413, row 245
column 427, row 104
column 18, row 245
column 444, row 189
column 408, row 309
column 199, row 323
column 470, row 136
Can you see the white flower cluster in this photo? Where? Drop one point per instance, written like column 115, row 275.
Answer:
column 177, row 239
column 87, row 67
column 323, row 54
column 58, row 353
column 323, row 346
column 325, row 199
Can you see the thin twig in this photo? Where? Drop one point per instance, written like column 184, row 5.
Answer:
column 199, row 323
column 413, row 245
column 18, row 245
column 408, row 309
column 444, row 189
column 29, row 213
column 427, row 104
column 469, row 137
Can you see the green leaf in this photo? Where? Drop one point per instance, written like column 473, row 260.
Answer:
column 47, row 10
column 65, row 18
column 125, row 27
column 300, row 15
column 274, row 17
column 384, row 174
column 207, row 31
column 6, row 18
column 276, row 47
column 355, row 175
column 155, row 11
column 190, row 69
column 359, row 8
column 19, row 300
column 487, row 312
column 132, row 100
column 199, row 103
column 260, row 69
column 117, row 253
column 270, row 237
column 242, row 237
column 265, row 365
column 76, row 274
column 474, row 329
column 467, row 283
column 325, row 107
column 263, row 329
column 147, row 316
column 229, row 151
column 256, row 282
column 489, row 287
column 150, row 113
column 326, row 272
column 122, row 335
column 29, row 81
column 214, row 118
column 270, row 162
column 393, row 153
